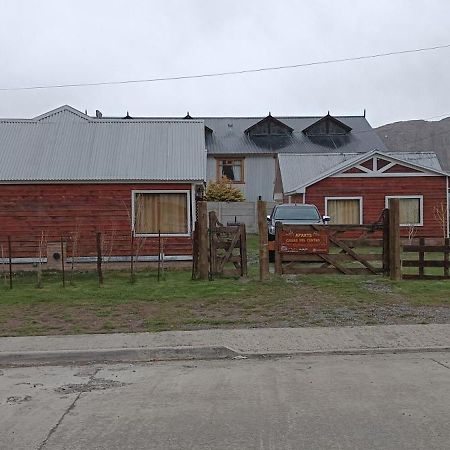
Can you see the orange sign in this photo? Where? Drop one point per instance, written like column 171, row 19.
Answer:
column 303, row 241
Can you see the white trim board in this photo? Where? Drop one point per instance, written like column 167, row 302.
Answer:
column 384, row 175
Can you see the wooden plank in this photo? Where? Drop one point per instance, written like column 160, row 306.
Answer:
column 424, row 263
column 366, row 256
column 340, row 257
column 285, row 257
column 99, row 259
column 385, row 241
column 366, row 242
column 202, row 240
column 425, row 277
column 421, row 257
column 446, row 259
column 309, row 270
column 425, row 248
column 243, row 250
column 394, row 239
column 322, row 270
column 263, row 241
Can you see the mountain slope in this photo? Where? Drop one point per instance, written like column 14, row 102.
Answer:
column 419, row 135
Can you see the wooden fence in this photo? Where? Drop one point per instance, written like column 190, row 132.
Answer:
column 440, row 259
column 325, row 249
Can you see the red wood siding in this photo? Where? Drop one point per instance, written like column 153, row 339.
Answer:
column 374, row 190
column 67, row 210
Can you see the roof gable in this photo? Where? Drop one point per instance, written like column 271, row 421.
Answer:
column 269, row 126
column 377, row 164
column 327, row 125
column 299, row 171
column 62, row 113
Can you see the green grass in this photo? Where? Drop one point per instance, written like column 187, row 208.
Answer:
column 117, row 288
column 178, row 302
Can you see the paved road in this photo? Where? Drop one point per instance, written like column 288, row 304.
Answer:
column 318, row 402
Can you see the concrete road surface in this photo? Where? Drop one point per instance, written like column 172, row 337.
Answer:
column 316, row 402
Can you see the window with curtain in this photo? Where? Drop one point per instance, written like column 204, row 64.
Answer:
column 161, row 212
column 232, row 169
column 344, row 211
column 410, row 210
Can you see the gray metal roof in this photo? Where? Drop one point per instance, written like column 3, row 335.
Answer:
column 228, row 137
column 300, row 170
column 67, row 145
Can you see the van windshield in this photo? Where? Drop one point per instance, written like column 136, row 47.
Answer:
column 297, row 213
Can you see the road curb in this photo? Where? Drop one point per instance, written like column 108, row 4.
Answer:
column 356, row 351
column 143, row 354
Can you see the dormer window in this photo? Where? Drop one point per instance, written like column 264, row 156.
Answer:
column 269, row 126
column 327, row 126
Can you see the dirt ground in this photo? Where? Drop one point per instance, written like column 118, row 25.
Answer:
column 309, row 306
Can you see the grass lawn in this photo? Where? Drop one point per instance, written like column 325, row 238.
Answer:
column 177, row 302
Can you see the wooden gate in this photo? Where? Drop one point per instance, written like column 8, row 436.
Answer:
column 227, row 247
column 327, row 249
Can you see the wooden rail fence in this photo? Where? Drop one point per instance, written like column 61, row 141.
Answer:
column 440, row 254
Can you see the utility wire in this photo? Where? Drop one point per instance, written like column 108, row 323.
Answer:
column 230, row 73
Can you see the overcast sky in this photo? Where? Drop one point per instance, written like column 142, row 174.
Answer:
column 54, row 41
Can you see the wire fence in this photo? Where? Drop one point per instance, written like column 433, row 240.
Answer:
column 67, row 251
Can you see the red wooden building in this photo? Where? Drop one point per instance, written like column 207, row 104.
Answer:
column 354, row 188
column 67, row 175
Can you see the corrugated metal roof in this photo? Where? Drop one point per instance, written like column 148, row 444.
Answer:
column 228, row 137
column 67, row 145
column 300, row 170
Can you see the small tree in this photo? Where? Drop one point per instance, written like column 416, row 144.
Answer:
column 440, row 215
column 223, row 191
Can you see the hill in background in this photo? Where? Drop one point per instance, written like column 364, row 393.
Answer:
column 420, row 136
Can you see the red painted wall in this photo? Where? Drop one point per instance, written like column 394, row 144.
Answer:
column 374, row 190
column 77, row 212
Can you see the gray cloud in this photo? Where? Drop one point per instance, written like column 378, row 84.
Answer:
column 46, row 42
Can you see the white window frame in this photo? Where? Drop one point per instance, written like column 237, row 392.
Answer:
column 346, row 198
column 162, row 191
column 419, row 197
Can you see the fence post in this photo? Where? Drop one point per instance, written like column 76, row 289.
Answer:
column 446, row 253
column 243, row 249
column 386, row 253
column 132, row 278
column 99, row 259
column 62, row 264
column 395, row 271
column 202, row 240
column 278, row 262
column 10, row 262
column 263, row 241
